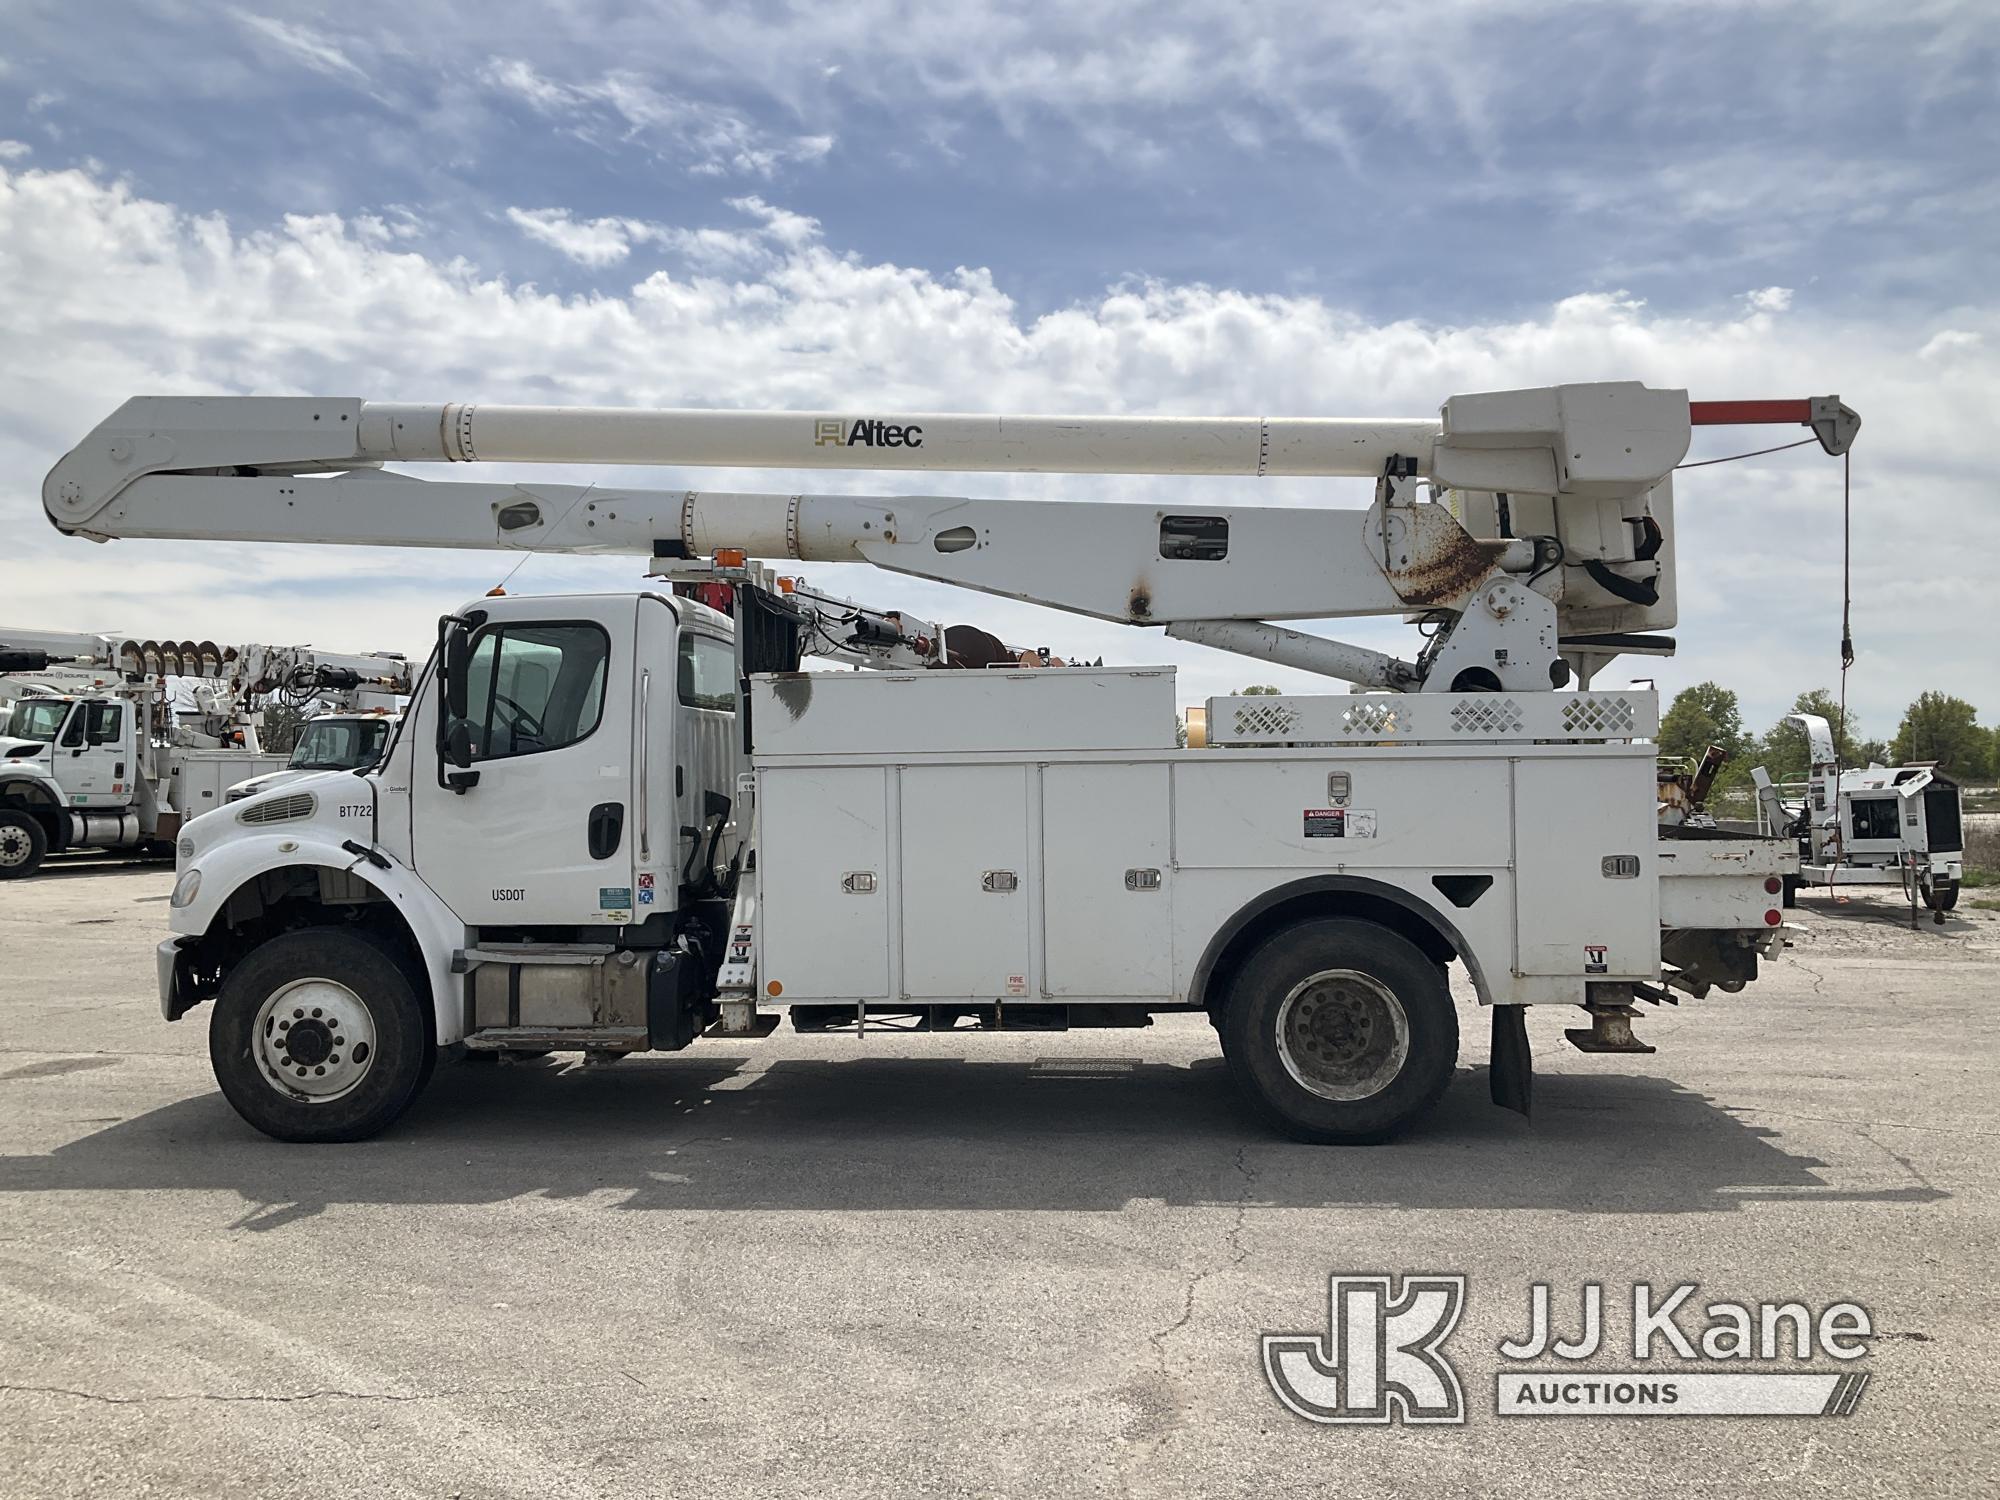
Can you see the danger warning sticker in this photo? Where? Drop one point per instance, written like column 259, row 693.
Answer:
column 1340, row 823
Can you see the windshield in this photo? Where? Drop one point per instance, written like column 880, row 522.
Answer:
column 339, row 744
column 36, row 719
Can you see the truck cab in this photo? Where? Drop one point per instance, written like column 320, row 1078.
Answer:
column 69, row 776
column 327, row 742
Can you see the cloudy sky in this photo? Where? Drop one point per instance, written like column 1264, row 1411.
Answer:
column 1271, row 208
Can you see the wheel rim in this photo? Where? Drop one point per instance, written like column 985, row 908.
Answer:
column 314, row 1040
column 15, row 846
column 1343, row 1034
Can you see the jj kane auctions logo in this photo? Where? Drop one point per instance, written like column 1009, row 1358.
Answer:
column 1381, row 1358
column 865, row 432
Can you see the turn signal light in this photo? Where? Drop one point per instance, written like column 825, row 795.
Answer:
column 1773, row 885
column 1773, row 918
column 729, row 557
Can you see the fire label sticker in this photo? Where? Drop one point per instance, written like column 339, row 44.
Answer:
column 1340, row 823
column 646, row 888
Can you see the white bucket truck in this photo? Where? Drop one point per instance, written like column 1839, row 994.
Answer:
column 614, row 824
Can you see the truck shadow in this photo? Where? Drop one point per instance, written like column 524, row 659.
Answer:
column 710, row 1134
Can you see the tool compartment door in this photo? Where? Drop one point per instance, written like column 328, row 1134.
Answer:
column 1107, row 918
column 824, row 881
column 965, row 886
column 1578, row 914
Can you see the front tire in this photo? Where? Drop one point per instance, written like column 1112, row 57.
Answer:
column 1340, row 1032
column 23, row 845
column 319, row 1035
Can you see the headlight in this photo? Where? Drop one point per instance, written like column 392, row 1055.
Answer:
column 185, row 889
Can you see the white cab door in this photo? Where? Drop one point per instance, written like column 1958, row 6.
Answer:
column 93, row 755
column 546, row 835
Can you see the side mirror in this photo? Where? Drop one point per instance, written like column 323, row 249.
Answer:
column 458, row 744
column 457, row 665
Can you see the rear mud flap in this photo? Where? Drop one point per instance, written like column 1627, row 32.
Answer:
column 1511, row 1072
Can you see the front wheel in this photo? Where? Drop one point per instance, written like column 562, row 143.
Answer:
column 1340, row 1031
column 318, row 1035
column 23, row 843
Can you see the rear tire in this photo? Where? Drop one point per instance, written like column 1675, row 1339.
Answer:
column 1791, row 898
column 319, row 1035
column 1340, row 1032
column 24, row 843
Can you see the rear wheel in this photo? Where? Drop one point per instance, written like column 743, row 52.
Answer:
column 1340, row 1031
column 23, row 844
column 318, row 1035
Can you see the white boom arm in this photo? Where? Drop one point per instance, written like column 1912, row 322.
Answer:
column 1549, row 530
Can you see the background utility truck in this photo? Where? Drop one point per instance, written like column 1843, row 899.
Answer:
column 123, row 764
column 327, row 742
column 620, row 823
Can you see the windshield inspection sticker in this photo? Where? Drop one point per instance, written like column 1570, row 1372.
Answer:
column 1340, row 823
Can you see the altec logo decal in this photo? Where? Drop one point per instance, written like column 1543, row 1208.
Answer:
column 865, row 432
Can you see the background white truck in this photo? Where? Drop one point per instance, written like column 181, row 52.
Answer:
column 617, row 823
column 123, row 762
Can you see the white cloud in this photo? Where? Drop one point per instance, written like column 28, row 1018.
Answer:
column 588, row 242
column 14, row 150
column 598, row 243
column 123, row 295
column 708, row 139
column 1771, row 299
column 303, row 45
column 1950, row 342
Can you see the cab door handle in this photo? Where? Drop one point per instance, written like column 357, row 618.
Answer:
column 606, row 826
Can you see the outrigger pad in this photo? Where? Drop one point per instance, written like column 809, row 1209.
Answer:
column 1511, row 1073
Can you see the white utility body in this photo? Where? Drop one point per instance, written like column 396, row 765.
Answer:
column 617, row 823
column 144, row 736
column 1876, row 825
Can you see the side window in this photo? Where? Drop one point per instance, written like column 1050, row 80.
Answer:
column 72, row 735
column 707, row 673
column 103, row 723
column 532, row 688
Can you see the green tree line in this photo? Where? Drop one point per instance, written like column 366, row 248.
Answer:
column 1936, row 726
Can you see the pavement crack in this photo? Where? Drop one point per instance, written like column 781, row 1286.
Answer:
column 226, row 1396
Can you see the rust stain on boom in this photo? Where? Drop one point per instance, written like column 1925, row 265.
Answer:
column 1443, row 565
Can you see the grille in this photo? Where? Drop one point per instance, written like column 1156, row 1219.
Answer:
column 1486, row 716
column 279, row 809
column 1599, row 716
column 1264, row 721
